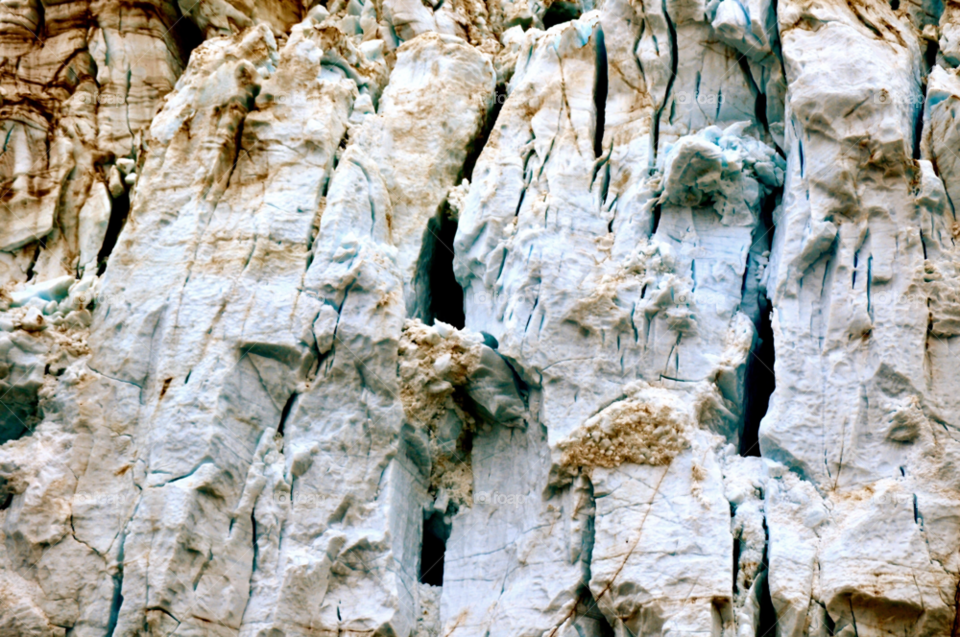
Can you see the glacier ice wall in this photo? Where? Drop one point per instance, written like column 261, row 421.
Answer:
column 512, row 318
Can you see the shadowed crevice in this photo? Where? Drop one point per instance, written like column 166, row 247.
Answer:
column 760, row 383
column 560, row 12
column 767, row 622
column 600, row 94
column 119, row 209
column 440, row 297
column 436, row 532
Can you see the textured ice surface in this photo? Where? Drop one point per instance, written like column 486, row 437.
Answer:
column 512, row 318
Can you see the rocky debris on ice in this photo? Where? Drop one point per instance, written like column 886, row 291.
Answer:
column 451, row 385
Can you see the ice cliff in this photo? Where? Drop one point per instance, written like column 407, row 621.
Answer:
column 479, row 318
